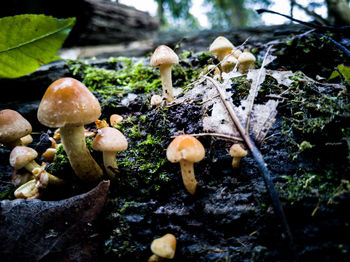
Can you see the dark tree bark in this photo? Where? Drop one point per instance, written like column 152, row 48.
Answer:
column 98, row 22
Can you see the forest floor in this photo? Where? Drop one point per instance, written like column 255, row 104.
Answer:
column 299, row 121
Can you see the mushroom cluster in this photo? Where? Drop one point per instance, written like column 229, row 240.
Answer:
column 231, row 57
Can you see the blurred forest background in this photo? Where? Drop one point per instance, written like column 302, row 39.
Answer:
column 110, row 22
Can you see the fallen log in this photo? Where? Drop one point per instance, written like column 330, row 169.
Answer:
column 97, row 21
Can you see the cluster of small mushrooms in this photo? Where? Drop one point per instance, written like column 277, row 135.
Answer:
column 68, row 105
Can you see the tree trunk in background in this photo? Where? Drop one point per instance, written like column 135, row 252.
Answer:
column 338, row 12
column 98, row 22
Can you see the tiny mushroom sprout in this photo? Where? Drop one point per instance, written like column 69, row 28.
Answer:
column 156, row 100
column 163, row 247
column 237, row 152
column 229, row 63
column 69, row 105
column 187, row 150
column 115, row 119
column 220, row 47
column 164, row 58
column 110, row 141
column 13, row 127
column 246, row 61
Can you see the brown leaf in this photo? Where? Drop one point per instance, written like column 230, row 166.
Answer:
column 51, row 230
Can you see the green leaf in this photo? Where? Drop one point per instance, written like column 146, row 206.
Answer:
column 29, row 41
column 343, row 70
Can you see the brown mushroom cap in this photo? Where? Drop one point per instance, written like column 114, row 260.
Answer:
column 13, row 126
column 185, row 147
column 20, row 156
column 165, row 246
column 68, row 102
column 110, row 139
column 164, row 55
column 221, row 45
column 237, row 151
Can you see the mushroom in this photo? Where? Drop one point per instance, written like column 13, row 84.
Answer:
column 156, row 100
column 69, row 105
column 229, row 63
column 246, row 61
column 20, row 177
column 24, row 157
column 164, row 58
column 28, row 190
column 163, row 247
column 110, row 141
column 115, row 119
column 187, row 150
column 220, row 47
column 237, row 152
column 13, row 126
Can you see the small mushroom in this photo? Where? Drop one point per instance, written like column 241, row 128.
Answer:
column 115, row 119
column 220, row 47
column 24, row 157
column 187, row 150
column 246, row 61
column 164, row 58
column 229, row 63
column 69, row 105
column 237, row 152
column 156, row 100
column 28, row 191
column 110, row 141
column 13, row 127
column 163, row 247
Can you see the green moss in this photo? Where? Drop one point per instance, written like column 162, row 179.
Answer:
column 142, row 164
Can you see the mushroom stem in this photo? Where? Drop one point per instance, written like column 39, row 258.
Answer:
column 84, row 166
column 188, row 177
column 235, row 162
column 109, row 161
column 155, row 258
column 31, row 166
column 165, row 73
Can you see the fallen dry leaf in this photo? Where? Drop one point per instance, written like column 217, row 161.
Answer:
column 51, row 230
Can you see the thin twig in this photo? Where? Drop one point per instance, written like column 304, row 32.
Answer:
column 276, row 203
column 255, row 88
column 231, row 138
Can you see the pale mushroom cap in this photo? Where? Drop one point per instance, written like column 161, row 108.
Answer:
column 246, row 58
column 221, row 45
column 164, row 55
column 115, row 119
column 229, row 62
column 68, row 102
column 237, row 151
column 165, row 246
column 13, row 126
column 156, row 100
column 21, row 156
column 110, row 139
column 27, row 190
column 185, row 147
